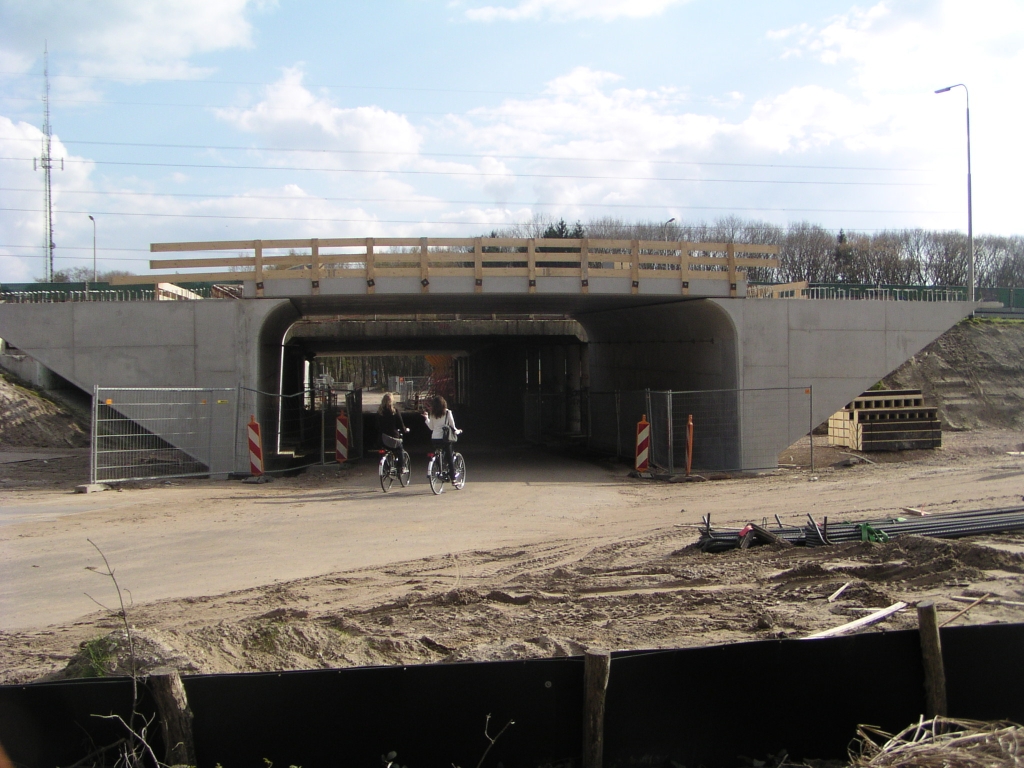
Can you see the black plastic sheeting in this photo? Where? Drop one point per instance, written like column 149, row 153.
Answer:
column 429, row 715
column 708, row 706
column 51, row 724
column 695, row 706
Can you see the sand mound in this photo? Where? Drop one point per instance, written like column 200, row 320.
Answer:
column 31, row 421
column 974, row 373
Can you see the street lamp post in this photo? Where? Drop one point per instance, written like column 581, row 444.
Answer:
column 970, row 223
column 664, row 226
column 93, row 248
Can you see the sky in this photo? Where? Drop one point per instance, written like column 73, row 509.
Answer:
column 263, row 119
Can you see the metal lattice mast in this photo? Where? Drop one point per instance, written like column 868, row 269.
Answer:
column 45, row 162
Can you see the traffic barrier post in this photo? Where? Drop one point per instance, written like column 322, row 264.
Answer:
column 255, row 448
column 643, row 444
column 341, row 438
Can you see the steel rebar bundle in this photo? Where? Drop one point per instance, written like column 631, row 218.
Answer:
column 950, row 525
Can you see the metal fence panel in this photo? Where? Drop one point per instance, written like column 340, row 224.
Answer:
column 144, row 433
column 602, row 422
column 662, row 434
column 733, row 428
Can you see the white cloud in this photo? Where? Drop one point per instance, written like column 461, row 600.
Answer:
column 567, row 10
column 292, row 115
column 130, row 39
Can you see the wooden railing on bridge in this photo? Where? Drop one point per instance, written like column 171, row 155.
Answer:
column 480, row 258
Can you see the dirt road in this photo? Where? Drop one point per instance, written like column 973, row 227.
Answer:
column 537, row 555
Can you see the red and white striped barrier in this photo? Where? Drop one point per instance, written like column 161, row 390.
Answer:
column 255, row 448
column 341, row 439
column 643, row 444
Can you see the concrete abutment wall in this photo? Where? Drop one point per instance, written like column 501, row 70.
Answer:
column 837, row 348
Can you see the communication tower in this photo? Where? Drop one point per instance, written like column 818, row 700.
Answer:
column 45, row 162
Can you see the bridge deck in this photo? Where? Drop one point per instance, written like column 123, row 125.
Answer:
column 369, row 265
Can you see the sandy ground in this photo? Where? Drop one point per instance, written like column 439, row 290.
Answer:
column 539, row 555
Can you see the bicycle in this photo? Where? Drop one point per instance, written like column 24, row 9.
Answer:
column 387, row 470
column 438, row 474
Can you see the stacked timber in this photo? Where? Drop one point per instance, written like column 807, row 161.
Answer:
column 886, row 420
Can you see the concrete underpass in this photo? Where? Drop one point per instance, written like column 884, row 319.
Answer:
column 518, row 342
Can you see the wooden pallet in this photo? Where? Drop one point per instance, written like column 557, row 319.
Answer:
column 886, row 420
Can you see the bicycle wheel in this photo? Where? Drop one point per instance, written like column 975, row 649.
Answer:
column 406, row 477
column 386, row 471
column 459, row 473
column 435, row 476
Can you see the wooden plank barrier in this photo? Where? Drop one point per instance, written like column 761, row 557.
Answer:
column 371, row 259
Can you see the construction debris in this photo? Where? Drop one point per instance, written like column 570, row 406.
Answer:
column 861, row 623
column 950, row 525
column 942, row 743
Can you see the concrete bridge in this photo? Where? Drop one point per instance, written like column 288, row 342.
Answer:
column 603, row 315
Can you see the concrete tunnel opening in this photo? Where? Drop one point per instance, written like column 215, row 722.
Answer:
column 525, row 378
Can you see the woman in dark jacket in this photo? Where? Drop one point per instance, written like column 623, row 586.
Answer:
column 392, row 429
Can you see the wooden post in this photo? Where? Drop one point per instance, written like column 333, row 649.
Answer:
column 371, row 267
column 424, row 266
column 634, row 266
column 478, row 266
column 730, row 252
column 684, row 266
column 931, row 656
column 596, row 669
column 175, row 718
column 259, row 268
column 314, row 274
column 585, row 265
column 531, row 265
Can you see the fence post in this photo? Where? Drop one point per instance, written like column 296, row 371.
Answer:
column 671, row 431
column 810, row 419
column 618, row 427
column 596, row 669
column 92, row 447
column 175, row 718
column 238, row 411
column 650, row 412
column 931, row 654
column 210, row 400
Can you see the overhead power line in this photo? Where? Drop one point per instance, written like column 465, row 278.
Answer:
column 193, row 80
column 484, row 174
column 142, row 214
column 481, row 203
column 482, row 156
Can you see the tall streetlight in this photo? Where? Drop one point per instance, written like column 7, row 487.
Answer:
column 93, row 248
column 664, row 226
column 970, row 227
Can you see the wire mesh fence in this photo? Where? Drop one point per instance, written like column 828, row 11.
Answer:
column 733, row 429
column 150, row 433
column 147, row 433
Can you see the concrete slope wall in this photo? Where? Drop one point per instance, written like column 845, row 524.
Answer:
column 214, row 343
column 151, row 344
column 838, row 348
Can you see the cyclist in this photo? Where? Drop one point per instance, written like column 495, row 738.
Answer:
column 442, row 429
column 392, row 428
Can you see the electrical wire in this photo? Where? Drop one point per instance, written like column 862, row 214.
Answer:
column 484, row 174
column 421, row 201
column 552, row 158
column 290, row 218
column 194, row 81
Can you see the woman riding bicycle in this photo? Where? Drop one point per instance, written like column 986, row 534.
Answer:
column 442, row 428
column 392, row 429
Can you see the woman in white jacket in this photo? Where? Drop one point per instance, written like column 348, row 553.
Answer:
column 442, row 429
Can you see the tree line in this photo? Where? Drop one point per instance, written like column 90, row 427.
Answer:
column 810, row 252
